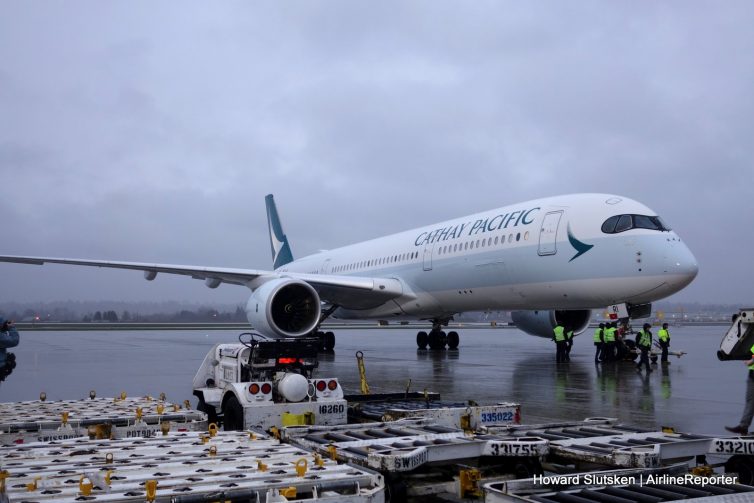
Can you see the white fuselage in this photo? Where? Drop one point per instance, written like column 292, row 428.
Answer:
column 544, row 254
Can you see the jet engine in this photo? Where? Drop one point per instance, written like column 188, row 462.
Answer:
column 284, row 307
column 541, row 323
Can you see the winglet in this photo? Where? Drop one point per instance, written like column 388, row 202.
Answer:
column 281, row 250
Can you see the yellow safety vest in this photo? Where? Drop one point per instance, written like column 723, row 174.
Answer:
column 751, row 367
column 559, row 333
column 645, row 339
column 597, row 335
column 663, row 335
column 610, row 334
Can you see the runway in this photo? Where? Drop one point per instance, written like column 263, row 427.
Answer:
column 696, row 393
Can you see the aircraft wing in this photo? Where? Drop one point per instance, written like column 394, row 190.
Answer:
column 347, row 291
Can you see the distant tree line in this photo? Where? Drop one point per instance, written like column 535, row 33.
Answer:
column 201, row 314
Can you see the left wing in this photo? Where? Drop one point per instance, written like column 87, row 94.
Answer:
column 346, row 291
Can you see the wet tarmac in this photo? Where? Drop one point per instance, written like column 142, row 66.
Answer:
column 696, row 393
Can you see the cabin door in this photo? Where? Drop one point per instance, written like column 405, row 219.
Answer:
column 428, row 256
column 548, row 233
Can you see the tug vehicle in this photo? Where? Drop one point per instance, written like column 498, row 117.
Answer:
column 260, row 383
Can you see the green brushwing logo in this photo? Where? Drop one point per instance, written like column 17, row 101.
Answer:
column 580, row 247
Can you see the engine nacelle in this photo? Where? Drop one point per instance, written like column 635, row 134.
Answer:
column 541, row 323
column 284, row 307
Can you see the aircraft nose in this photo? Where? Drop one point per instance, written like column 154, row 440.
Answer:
column 682, row 263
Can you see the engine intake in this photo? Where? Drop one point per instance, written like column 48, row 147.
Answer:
column 284, row 307
column 541, row 323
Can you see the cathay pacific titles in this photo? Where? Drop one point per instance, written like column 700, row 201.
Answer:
column 482, row 225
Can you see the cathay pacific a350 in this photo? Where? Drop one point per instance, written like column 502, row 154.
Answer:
column 550, row 261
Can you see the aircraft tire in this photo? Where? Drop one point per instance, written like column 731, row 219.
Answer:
column 422, row 339
column 453, row 340
column 329, row 341
column 232, row 415
column 437, row 339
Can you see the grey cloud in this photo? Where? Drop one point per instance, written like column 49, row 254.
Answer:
column 152, row 131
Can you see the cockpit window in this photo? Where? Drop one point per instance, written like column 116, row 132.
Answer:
column 609, row 226
column 644, row 222
column 622, row 223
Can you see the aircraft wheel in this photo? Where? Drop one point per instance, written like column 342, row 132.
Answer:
column 232, row 415
column 453, row 340
column 422, row 339
column 437, row 339
column 329, row 341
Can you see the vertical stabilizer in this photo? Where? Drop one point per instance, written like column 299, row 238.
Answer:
column 281, row 250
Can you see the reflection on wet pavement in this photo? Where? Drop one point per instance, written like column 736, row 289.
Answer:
column 695, row 393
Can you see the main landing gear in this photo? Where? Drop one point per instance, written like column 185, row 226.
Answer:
column 326, row 339
column 437, row 338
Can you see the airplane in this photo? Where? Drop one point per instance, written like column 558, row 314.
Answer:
column 550, row 261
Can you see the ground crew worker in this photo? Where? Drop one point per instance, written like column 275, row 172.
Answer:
column 609, row 348
column 644, row 343
column 599, row 342
column 743, row 425
column 569, row 343
column 560, row 343
column 664, row 337
column 8, row 339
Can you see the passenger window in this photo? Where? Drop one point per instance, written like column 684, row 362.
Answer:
column 624, row 223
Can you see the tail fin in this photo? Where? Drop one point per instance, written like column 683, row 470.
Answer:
column 281, row 250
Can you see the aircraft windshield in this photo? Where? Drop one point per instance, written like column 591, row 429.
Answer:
column 622, row 223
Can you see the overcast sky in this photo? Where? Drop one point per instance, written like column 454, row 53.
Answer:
column 151, row 131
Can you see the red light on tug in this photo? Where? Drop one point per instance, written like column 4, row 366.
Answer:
column 266, row 388
column 254, row 388
column 332, row 385
column 321, row 385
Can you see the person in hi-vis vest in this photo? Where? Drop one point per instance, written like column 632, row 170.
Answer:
column 743, row 425
column 664, row 337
